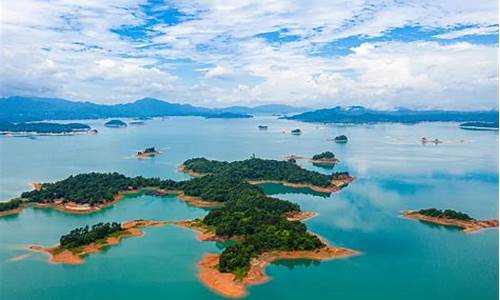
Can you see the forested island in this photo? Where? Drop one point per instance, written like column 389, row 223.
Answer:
column 148, row 152
column 449, row 217
column 263, row 228
column 42, row 128
column 326, row 157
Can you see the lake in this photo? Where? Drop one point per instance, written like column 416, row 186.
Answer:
column 401, row 259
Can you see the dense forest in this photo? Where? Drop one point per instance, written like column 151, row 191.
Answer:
column 259, row 222
column 260, row 169
column 87, row 235
column 323, row 155
column 93, row 188
column 447, row 213
column 11, row 204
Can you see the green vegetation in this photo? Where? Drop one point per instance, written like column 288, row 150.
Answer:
column 341, row 139
column 115, row 123
column 260, row 169
column 324, row 155
column 258, row 221
column 203, row 165
column 255, row 221
column 93, row 188
column 447, row 213
column 11, row 204
column 85, row 235
column 43, row 127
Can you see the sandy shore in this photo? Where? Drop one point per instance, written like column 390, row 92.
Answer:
column 76, row 208
column 11, row 211
column 204, row 233
column 335, row 185
column 58, row 255
column 228, row 285
column 144, row 155
column 301, row 215
column 325, row 161
column 183, row 169
column 467, row 226
column 196, row 201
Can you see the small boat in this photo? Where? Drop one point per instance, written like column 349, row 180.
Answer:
column 262, row 127
column 296, row 132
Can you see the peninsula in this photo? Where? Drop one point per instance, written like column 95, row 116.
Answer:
column 450, row 217
column 79, row 242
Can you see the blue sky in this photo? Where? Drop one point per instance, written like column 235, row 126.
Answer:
column 317, row 53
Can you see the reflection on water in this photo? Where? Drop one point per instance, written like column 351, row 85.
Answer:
column 293, row 263
column 277, row 189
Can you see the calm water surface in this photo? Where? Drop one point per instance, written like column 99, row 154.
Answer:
column 401, row 259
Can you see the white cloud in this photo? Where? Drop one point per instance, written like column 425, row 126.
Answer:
column 218, row 71
column 468, row 32
column 67, row 49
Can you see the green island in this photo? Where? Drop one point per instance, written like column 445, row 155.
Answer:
column 263, row 228
column 449, row 217
column 148, row 152
column 43, row 128
column 326, row 157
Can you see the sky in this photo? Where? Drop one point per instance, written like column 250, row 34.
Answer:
column 315, row 53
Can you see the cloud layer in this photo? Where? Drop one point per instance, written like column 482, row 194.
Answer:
column 379, row 54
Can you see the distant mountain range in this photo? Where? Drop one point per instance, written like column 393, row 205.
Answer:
column 27, row 109
column 360, row 115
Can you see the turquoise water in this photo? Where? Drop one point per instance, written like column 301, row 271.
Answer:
column 401, row 258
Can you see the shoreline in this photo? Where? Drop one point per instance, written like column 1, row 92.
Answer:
column 335, row 185
column 81, row 209
column 11, row 212
column 75, row 208
column 228, row 285
column 191, row 200
column 301, row 216
column 144, row 155
column 183, row 169
column 204, row 234
column 325, row 161
column 466, row 226
column 71, row 257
